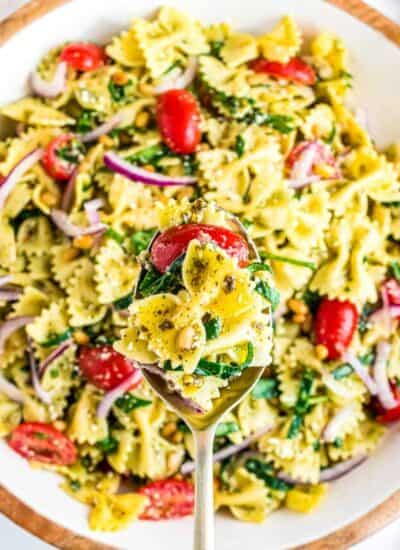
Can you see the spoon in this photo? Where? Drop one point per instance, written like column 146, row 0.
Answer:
column 203, row 426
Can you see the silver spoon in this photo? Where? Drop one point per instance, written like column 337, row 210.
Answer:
column 203, row 426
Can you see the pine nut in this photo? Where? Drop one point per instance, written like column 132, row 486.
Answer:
column 185, row 339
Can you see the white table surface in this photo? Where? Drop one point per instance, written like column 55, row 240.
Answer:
column 14, row 538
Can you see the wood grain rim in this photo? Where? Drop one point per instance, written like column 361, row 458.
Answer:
column 65, row 539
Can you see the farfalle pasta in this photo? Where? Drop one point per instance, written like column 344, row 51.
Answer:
column 90, row 176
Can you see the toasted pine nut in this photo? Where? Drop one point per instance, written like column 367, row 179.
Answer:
column 84, row 241
column 70, row 254
column 307, row 325
column 81, row 337
column 149, row 168
column 168, row 429
column 174, row 460
column 185, row 339
column 298, row 319
column 107, row 141
column 120, row 78
column 177, row 437
column 49, row 199
column 321, row 352
column 297, row 306
column 142, row 119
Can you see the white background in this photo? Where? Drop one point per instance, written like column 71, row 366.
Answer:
column 14, row 538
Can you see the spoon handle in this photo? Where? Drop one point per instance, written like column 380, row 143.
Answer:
column 204, row 532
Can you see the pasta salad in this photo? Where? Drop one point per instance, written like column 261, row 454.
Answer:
column 118, row 142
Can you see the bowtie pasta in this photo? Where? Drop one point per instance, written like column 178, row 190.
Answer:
column 272, row 141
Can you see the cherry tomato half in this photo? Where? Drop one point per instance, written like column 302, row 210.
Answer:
column 322, row 154
column 335, row 325
column 171, row 244
column 43, row 443
column 106, row 368
column 83, row 56
column 178, row 117
column 392, row 289
column 385, row 416
column 296, row 70
column 61, row 157
column 169, row 498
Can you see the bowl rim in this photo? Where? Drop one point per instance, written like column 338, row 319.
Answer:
column 63, row 538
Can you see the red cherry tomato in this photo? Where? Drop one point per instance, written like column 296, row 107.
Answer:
column 171, row 244
column 385, row 416
column 296, row 70
column 169, row 499
column 106, row 368
column 43, row 443
column 178, row 117
column 335, row 324
column 392, row 289
column 83, row 56
column 57, row 167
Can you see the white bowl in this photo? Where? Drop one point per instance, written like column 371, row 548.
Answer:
column 376, row 64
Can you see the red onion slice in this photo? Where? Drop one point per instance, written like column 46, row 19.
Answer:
column 43, row 395
column 111, row 396
column 300, row 183
column 66, row 201
column 384, row 392
column 230, row 450
column 91, row 209
column 55, row 354
column 10, row 326
column 11, row 391
column 341, row 469
column 328, row 474
column 361, row 370
column 9, row 295
column 136, row 174
column 103, row 129
column 50, row 88
column 380, row 315
column 179, row 80
column 17, row 172
column 308, row 158
column 60, row 219
column 334, row 426
column 5, row 280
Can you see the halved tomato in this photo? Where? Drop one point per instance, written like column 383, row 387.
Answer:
column 83, row 56
column 169, row 499
column 296, row 70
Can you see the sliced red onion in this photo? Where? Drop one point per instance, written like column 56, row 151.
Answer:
column 341, row 469
column 50, row 88
column 300, row 183
column 136, row 174
column 9, row 295
column 17, row 172
column 361, row 370
column 384, row 392
column 91, row 209
column 380, row 315
column 55, row 354
column 66, row 201
column 386, row 308
column 179, row 80
column 61, row 220
column 43, row 395
column 103, row 129
column 334, row 426
column 313, row 153
column 5, row 280
column 230, row 450
column 328, row 474
column 10, row 326
column 11, row 391
column 111, row 396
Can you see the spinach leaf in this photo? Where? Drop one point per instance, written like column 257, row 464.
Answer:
column 226, row 428
column 213, row 328
column 190, row 165
column 150, row 155
column 395, row 270
column 264, row 471
column 87, row 121
column 123, row 303
column 108, row 445
column 258, row 266
column 331, row 138
column 269, row 293
column 277, row 258
column 216, row 47
column 141, row 240
column 240, row 145
column 312, row 299
column 129, row 402
column 343, row 371
column 56, row 339
column 23, row 216
column 222, row 370
column 154, row 282
column 115, row 235
column 266, row 388
column 183, row 427
column 363, row 321
column 119, row 93
column 303, row 403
